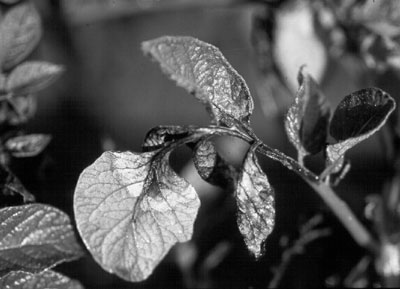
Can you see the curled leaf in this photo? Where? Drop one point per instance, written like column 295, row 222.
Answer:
column 358, row 116
column 201, row 68
column 131, row 208
column 256, row 204
column 307, row 120
column 32, row 76
column 11, row 185
column 160, row 136
column 212, row 167
column 35, row 237
column 27, row 145
column 20, row 32
column 45, row 279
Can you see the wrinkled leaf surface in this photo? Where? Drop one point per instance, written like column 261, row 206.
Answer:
column 202, row 69
column 161, row 136
column 47, row 279
column 35, row 237
column 131, row 209
column 27, row 145
column 256, row 204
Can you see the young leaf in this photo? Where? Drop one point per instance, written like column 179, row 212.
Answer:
column 32, row 76
column 20, row 32
column 11, row 185
column 161, row 136
column 212, row 167
column 35, row 237
column 307, row 120
column 202, row 69
column 357, row 117
column 27, row 145
column 131, row 208
column 45, row 279
column 256, row 204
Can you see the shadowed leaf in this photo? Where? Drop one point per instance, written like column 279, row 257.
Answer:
column 307, row 120
column 131, row 209
column 27, row 145
column 47, row 279
column 32, row 76
column 212, row 167
column 256, row 204
column 18, row 109
column 35, row 237
column 11, row 185
column 202, row 69
column 357, row 117
column 20, row 32
column 161, row 136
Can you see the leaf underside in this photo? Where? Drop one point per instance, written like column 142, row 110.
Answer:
column 357, row 117
column 46, row 279
column 131, row 209
column 256, row 204
column 35, row 237
column 201, row 68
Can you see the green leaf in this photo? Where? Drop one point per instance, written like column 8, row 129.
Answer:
column 163, row 135
column 32, row 76
column 212, row 167
column 35, row 237
column 20, row 32
column 11, row 185
column 131, row 208
column 47, row 279
column 307, row 120
column 202, row 69
column 27, row 145
column 256, row 204
column 358, row 116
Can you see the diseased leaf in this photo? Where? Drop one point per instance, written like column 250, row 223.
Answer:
column 32, row 76
column 20, row 32
column 131, row 208
column 160, row 136
column 256, row 204
column 11, row 185
column 47, row 279
column 212, row 167
column 307, row 120
column 357, row 117
column 35, row 237
column 202, row 69
column 27, row 145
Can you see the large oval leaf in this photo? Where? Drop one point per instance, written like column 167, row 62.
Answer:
column 47, row 279
column 35, row 237
column 202, row 69
column 131, row 209
column 307, row 120
column 256, row 204
column 357, row 117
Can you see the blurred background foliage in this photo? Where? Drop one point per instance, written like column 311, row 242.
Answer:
column 110, row 95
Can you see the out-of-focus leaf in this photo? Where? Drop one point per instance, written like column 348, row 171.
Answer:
column 256, row 204
column 307, row 120
column 47, row 279
column 11, row 185
column 212, row 167
column 131, row 208
column 32, row 76
column 357, row 117
column 19, row 109
column 160, row 136
column 20, row 31
column 35, row 237
column 27, row 145
column 202, row 69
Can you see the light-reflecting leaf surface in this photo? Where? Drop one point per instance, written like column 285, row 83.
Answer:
column 27, row 145
column 32, row 76
column 35, row 237
column 131, row 209
column 44, row 280
column 202, row 69
column 256, row 204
